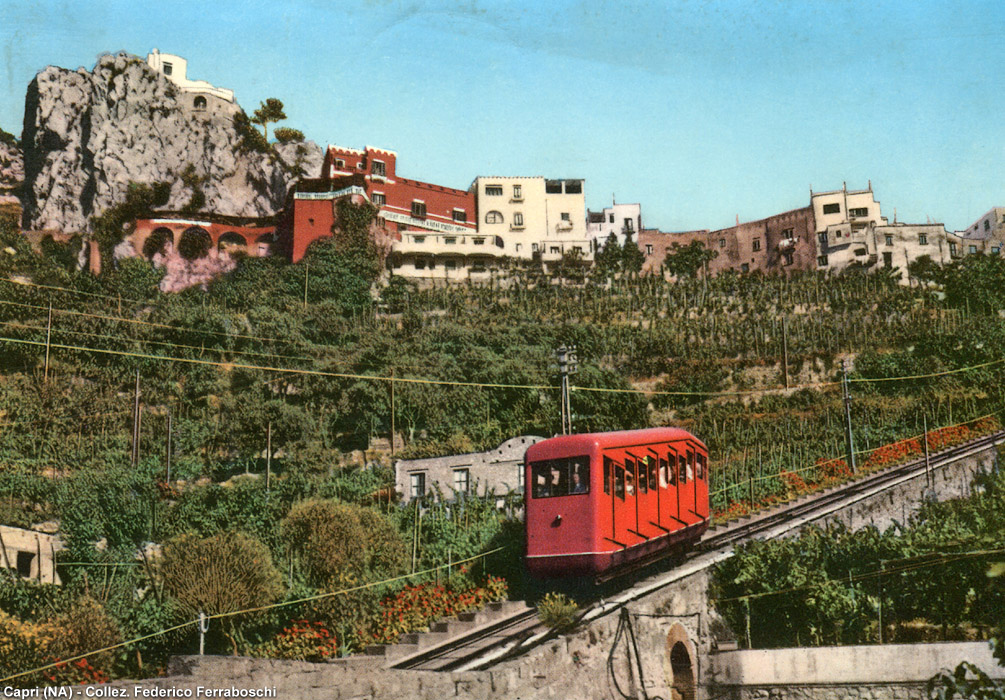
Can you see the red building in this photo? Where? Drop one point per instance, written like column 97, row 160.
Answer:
column 252, row 236
column 371, row 174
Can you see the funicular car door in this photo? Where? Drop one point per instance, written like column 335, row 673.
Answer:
column 701, row 482
column 673, row 508
column 644, row 495
column 622, row 509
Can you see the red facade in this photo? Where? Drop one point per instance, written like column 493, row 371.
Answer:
column 404, row 204
column 597, row 501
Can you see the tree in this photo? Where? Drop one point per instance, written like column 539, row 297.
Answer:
column 269, row 111
column 286, row 135
column 687, row 261
column 109, row 226
column 631, row 256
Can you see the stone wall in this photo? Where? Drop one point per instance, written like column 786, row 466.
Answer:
column 875, row 672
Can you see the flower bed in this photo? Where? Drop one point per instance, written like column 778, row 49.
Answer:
column 830, row 472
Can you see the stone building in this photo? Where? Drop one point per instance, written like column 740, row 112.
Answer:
column 30, row 553
column 498, row 471
column 986, row 235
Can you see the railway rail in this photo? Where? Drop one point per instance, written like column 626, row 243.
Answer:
column 521, row 631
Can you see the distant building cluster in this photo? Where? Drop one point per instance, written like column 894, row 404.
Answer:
column 447, row 234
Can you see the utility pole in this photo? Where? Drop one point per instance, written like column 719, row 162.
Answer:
column 268, row 458
column 307, row 273
column 568, row 363
column 48, row 335
column 136, row 421
column 928, row 463
column 167, row 478
column 392, row 412
column 848, row 436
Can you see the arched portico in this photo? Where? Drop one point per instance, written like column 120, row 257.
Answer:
column 681, row 661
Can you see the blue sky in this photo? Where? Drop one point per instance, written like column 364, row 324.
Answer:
column 701, row 111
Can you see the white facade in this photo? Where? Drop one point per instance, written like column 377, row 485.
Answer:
column 620, row 219
column 533, row 217
column 175, row 69
column 844, row 219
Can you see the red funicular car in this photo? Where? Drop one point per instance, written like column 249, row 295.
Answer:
column 598, row 501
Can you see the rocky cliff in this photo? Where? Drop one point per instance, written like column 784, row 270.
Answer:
column 11, row 168
column 88, row 134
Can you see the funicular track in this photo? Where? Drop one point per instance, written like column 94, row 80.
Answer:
column 519, row 632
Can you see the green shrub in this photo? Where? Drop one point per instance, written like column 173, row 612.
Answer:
column 557, row 611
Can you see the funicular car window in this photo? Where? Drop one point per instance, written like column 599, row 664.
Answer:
column 690, row 465
column 619, row 481
column 664, row 473
column 608, row 466
column 672, row 468
column 561, row 477
column 640, row 471
column 652, row 473
column 700, row 471
column 682, row 469
column 629, row 477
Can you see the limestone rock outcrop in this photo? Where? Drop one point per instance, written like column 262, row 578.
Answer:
column 87, row 135
column 12, row 170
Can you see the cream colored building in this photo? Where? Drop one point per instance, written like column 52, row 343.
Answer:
column 30, row 554
column 843, row 219
column 534, row 218
column 851, row 230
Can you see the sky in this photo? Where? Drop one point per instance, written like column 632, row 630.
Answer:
column 701, row 111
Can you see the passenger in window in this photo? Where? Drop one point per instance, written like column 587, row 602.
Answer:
column 629, row 483
column 577, row 485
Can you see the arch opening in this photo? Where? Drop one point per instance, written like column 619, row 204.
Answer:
column 232, row 242
column 157, row 241
column 194, row 243
column 683, row 672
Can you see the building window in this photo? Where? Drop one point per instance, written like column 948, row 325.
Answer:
column 722, row 242
column 832, row 208
column 339, row 163
column 450, row 240
column 565, row 216
column 745, row 267
column 922, row 239
column 629, row 226
column 649, row 250
column 972, row 249
column 517, row 192
column 168, row 68
column 889, row 239
column 379, row 199
column 952, row 250
column 888, row 259
column 862, row 211
column 611, row 219
column 533, row 247
column 787, row 257
column 450, row 264
column 377, row 168
column 199, row 103
column 822, row 240
column 419, row 209
column 518, row 218
column 419, row 239
column 556, row 250
column 789, row 233
column 417, row 484
column 822, row 260
column 577, row 249
column 493, row 190
column 478, row 241
column 757, row 244
column 460, row 216
column 420, row 264
column 987, row 225
column 462, row 479
column 493, row 217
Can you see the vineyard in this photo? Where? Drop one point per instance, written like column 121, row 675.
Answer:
column 265, row 391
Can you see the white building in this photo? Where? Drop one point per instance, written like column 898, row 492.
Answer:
column 619, row 219
column 204, row 95
column 533, row 217
column 986, row 235
column 843, row 221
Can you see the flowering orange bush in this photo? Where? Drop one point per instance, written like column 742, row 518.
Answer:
column 414, row 607
column 303, row 640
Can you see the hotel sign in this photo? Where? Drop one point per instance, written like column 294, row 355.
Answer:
column 430, row 224
column 331, row 195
